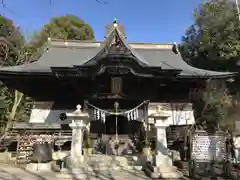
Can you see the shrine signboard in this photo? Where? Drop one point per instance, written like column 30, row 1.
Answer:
column 208, row 147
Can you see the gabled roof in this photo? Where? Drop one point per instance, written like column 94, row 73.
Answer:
column 87, row 53
column 124, row 49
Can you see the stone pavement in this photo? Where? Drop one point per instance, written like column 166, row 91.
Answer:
column 15, row 173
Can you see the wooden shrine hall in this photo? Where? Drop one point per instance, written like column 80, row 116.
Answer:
column 121, row 86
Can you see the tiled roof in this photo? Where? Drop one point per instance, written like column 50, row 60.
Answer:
column 72, row 53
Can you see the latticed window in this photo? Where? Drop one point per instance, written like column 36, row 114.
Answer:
column 116, row 85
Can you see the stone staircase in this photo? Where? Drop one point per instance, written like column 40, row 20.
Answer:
column 124, row 146
column 98, row 164
column 183, row 166
column 101, row 162
column 102, row 175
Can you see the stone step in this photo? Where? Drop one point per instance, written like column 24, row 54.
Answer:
column 184, row 167
column 110, row 160
column 103, row 175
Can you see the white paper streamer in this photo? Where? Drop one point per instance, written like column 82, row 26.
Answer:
column 132, row 114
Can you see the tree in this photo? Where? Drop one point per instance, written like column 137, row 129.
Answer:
column 11, row 41
column 67, row 27
column 17, row 102
column 11, row 53
column 214, row 107
column 213, row 41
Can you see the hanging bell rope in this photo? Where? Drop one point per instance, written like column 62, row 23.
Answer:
column 116, row 106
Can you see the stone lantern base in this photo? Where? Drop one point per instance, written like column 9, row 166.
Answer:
column 74, row 163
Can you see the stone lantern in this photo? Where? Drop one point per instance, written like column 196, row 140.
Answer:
column 163, row 162
column 79, row 119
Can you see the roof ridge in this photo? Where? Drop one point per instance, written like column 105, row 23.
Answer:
column 89, row 43
column 130, row 48
column 99, row 41
column 71, row 40
column 62, row 44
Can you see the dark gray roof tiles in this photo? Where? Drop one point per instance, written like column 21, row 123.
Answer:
column 169, row 60
column 78, row 54
column 68, row 54
column 65, row 57
column 31, row 67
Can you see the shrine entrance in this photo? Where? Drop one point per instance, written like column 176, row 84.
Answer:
column 116, row 124
column 116, row 131
column 119, row 133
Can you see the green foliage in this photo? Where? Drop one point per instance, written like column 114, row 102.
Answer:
column 67, row 27
column 214, row 108
column 4, row 103
column 17, row 103
column 12, row 52
column 11, row 32
column 11, row 41
column 87, row 140
column 213, row 41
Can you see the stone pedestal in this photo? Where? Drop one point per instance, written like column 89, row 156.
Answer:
column 161, row 147
column 39, row 167
column 77, row 140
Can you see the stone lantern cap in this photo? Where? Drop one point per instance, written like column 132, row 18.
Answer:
column 159, row 113
column 79, row 118
column 78, row 114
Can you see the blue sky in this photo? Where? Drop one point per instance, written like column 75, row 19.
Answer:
column 144, row 20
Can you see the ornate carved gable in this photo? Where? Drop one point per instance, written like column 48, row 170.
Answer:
column 117, row 46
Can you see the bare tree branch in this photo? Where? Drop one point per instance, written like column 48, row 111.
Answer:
column 102, row 2
column 50, row 1
column 3, row 4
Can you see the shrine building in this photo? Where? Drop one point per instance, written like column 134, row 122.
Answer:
column 113, row 80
